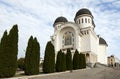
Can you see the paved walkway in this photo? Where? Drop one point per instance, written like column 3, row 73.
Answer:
column 95, row 73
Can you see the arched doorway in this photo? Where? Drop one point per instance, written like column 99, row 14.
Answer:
column 87, row 58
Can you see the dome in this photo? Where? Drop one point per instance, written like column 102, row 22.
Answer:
column 102, row 41
column 112, row 55
column 61, row 19
column 83, row 11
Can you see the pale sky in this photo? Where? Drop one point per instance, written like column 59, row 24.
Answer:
column 36, row 17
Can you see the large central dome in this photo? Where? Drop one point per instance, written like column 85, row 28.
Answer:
column 83, row 11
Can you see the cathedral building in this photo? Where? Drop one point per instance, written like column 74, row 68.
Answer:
column 80, row 35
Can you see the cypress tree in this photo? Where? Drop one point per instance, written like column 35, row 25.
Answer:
column 49, row 59
column 32, row 57
column 28, row 57
column 82, row 61
column 3, row 60
column 13, row 49
column 36, row 56
column 76, row 60
column 60, row 62
column 9, row 51
column 68, row 60
column 64, row 61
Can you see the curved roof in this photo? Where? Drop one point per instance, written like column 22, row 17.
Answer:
column 61, row 19
column 102, row 41
column 83, row 11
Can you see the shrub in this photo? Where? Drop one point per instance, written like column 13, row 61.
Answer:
column 21, row 63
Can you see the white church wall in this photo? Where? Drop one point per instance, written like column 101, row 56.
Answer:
column 93, row 42
column 57, row 43
column 78, row 42
column 93, row 57
column 85, row 43
column 102, row 57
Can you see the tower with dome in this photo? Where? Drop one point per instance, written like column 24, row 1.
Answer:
column 80, row 35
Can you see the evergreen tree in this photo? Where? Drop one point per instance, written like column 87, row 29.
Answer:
column 13, row 49
column 32, row 57
column 28, row 57
column 49, row 59
column 9, row 51
column 60, row 62
column 3, row 60
column 36, row 56
column 64, row 61
column 68, row 60
column 82, row 61
column 76, row 60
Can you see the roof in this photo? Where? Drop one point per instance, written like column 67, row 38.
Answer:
column 102, row 41
column 83, row 11
column 61, row 19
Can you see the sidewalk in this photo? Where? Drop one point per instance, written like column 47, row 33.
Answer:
column 93, row 73
column 42, row 75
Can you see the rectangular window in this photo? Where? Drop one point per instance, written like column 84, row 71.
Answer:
column 85, row 20
column 79, row 21
column 87, row 32
column 88, row 20
column 82, row 20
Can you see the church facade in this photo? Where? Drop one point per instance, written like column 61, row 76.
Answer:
column 79, row 35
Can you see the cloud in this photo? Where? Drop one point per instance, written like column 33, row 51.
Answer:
column 37, row 17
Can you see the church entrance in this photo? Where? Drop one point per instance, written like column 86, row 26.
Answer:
column 87, row 58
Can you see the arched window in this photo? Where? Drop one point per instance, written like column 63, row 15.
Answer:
column 68, row 38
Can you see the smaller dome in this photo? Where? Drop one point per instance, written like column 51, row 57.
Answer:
column 102, row 41
column 112, row 55
column 61, row 19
